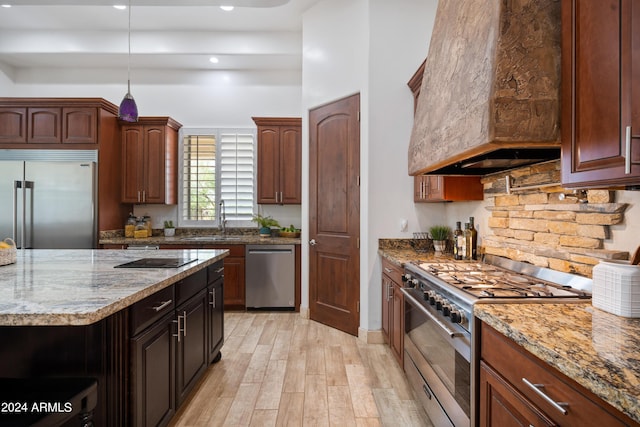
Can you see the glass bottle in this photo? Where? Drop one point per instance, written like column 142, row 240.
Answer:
column 473, row 239
column 458, row 241
column 466, row 246
column 147, row 223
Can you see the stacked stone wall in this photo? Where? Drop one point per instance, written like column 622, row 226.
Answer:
column 534, row 219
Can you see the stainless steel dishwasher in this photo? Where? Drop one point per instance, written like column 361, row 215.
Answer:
column 270, row 277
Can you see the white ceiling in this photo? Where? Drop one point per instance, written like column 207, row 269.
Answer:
column 41, row 37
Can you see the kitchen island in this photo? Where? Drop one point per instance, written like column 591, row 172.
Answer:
column 70, row 313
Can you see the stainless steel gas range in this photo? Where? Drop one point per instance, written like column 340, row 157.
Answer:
column 440, row 344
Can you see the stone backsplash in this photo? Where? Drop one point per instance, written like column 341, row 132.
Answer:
column 533, row 219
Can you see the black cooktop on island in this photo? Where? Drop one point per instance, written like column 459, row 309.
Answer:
column 157, row 263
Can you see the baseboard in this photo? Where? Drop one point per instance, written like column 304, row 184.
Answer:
column 371, row 337
column 304, row 312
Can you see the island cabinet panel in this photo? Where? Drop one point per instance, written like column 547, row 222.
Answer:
column 191, row 345
column 505, row 395
column 154, row 373
column 600, row 105
column 215, row 291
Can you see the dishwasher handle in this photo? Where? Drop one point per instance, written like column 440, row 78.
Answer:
column 269, row 251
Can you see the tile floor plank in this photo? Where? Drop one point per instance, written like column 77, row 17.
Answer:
column 279, row 369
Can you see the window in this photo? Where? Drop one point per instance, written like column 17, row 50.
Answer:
column 217, row 164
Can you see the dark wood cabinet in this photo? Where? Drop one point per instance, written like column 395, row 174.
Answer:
column 601, row 82
column 393, row 308
column 279, row 173
column 439, row 188
column 13, row 125
column 191, row 345
column 150, row 161
column 71, row 124
column 153, row 385
column 508, row 376
column 215, row 322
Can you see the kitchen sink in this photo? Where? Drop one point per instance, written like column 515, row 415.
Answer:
column 209, row 238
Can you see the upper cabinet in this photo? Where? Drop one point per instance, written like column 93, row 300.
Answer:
column 48, row 125
column 150, row 161
column 279, row 160
column 444, row 188
column 600, row 93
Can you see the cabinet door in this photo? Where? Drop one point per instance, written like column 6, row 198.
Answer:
column 600, row 118
column 154, row 164
column 387, row 307
column 44, row 125
column 290, row 165
column 435, row 187
column 234, row 283
column 397, row 324
column 13, row 125
column 153, row 377
column 191, row 351
column 503, row 406
column 132, row 164
column 268, row 165
column 216, row 320
column 79, row 125
column 419, row 189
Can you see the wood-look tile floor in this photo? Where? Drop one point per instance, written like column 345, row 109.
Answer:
column 279, row 369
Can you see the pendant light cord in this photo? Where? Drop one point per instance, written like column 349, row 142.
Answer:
column 129, row 54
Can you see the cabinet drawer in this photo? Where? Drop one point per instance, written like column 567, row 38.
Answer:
column 215, row 272
column 515, row 364
column 392, row 270
column 189, row 286
column 150, row 309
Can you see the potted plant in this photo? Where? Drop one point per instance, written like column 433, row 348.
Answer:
column 265, row 223
column 169, row 229
column 440, row 234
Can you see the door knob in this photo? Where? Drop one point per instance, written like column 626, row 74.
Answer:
column 313, row 242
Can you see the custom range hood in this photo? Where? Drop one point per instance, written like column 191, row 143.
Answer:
column 490, row 93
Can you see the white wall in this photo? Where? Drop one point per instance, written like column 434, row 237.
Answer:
column 371, row 47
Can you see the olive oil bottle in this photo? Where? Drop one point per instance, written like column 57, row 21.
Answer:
column 473, row 240
column 458, row 242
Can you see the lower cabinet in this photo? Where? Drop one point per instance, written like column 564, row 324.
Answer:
column 518, row 389
column 175, row 334
column 393, row 308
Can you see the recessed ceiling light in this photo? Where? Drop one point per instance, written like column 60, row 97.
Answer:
column 214, row 60
column 6, row 5
column 226, row 8
column 120, row 6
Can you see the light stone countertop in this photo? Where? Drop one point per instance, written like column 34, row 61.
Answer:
column 199, row 240
column 598, row 350
column 81, row 287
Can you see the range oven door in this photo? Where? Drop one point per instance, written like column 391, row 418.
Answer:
column 439, row 352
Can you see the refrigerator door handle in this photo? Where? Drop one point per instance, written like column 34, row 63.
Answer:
column 16, row 185
column 28, row 185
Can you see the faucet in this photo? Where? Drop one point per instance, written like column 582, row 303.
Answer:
column 222, row 218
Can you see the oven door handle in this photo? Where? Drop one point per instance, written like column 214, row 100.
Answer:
column 444, row 327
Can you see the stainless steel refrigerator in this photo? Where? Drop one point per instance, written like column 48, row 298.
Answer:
column 48, row 198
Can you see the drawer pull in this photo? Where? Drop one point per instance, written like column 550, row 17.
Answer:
column 537, row 388
column 220, row 270
column 213, row 298
column 426, row 391
column 163, row 305
column 388, row 270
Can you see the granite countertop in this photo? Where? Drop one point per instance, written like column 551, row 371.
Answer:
column 81, row 287
column 598, row 350
column 215, row 239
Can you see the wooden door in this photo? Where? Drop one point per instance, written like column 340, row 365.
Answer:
column 334, row 214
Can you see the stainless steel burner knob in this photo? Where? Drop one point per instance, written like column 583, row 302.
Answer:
column 414, row 283
column 406, row 277
column 440, row 302
column 456, row 316
column 446, row 309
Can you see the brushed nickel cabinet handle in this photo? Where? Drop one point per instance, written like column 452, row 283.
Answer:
column 213, row 298
column 163, row 305
column 627, row 151
column 537, row 388
column 179, row 330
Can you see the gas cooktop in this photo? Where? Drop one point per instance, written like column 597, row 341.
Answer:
column 502, row 278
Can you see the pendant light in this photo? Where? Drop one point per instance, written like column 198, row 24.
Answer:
column 128, row 110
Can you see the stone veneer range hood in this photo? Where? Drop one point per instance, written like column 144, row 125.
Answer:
column 490, row 94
